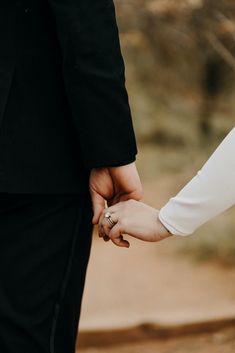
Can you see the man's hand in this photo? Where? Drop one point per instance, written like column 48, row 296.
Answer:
column 113, row 185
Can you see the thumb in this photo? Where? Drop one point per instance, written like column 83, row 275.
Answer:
column 98, row 204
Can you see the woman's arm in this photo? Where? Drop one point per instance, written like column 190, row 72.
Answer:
column 208, row 194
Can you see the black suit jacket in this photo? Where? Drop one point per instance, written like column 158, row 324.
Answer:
column 63, row 103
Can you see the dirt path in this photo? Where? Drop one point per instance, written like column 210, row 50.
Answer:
column 219, row 342
column 147, row 283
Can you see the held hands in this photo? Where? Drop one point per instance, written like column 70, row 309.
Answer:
column 113, row 185
column 121, row 189
column 135, row 219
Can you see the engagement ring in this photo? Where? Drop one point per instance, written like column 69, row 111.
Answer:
column 108, row 216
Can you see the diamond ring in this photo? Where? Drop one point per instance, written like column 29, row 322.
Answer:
column 108, row 216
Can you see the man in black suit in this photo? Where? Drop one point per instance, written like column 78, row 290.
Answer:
column 64, row 120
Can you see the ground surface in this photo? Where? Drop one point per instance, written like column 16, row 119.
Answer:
column 220, row 342
column 149, row 283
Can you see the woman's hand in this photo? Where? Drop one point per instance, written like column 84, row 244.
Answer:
column 133, row 218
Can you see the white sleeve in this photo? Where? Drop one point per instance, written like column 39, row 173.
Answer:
column 208, row 194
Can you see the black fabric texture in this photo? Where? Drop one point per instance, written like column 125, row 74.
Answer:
column 63, row 103
column 44, row 250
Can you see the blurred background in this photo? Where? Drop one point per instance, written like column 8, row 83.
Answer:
column 178, row 295
column 180, row 69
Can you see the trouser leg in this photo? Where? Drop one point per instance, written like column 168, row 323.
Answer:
column 44, row 250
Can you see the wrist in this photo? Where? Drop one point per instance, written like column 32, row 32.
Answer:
column 163, row 230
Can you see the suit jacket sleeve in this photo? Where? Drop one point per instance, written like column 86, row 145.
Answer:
column 94, row 77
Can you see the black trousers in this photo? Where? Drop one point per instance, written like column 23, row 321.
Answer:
column 44, row 250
